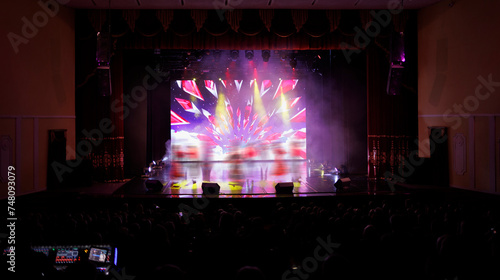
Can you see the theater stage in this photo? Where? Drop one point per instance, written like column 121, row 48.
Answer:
column 250, row 179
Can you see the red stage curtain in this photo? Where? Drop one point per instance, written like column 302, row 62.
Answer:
column 236, row 29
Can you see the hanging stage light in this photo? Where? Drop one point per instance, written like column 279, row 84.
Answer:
column 198, row 55
column 217, row 55
column 234, row 55
column 266, row 54
column 103, row 58
column 315, row 65
column 249, row 54
column 185, row 61
column 394, row 81
column 293, row 62
column 283, row 56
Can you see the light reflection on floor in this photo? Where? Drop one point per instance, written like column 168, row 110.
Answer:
column 245, row 178
column 249, row 180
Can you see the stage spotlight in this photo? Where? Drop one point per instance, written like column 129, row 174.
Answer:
column 266, row 54
column 397, row 48
column 293, row 62
column 394, row 82
column 315, row 63
column 234, row 55
column 185, row 61
column 283, row 56
column 249, row 54
column 198, row 55
column 217, row 55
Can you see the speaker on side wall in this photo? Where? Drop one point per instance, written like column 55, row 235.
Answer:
column 57, row 145
column 104, row 80
column 284, row 187
column 56, row 159
column 397, row 59
column 210, row 189
column 394, row 81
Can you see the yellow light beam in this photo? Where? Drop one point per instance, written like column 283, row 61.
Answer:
column 284, row 115
column 257, row 101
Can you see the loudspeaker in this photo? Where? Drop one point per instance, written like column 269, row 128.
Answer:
column 56, row 159
column 154, row 185
column 439, row 165
column 397, row 59
column 284, row 187
column 104, row 80
column 210, row 189
column 57, row 145
column 394, row 81
column 342, row 183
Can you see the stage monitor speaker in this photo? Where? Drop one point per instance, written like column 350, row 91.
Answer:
column 210, row 189
column 342, row 183
column 284, row 187
column 154, row 185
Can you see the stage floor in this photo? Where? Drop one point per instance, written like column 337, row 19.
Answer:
column 249, row 179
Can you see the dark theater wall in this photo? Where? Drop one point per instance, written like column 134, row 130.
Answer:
column 38, row 83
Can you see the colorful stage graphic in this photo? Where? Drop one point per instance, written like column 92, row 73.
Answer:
column 237, row 120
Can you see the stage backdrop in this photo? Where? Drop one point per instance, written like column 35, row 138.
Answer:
column 220, row 120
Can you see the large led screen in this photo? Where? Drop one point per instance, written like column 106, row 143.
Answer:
column 224, row 120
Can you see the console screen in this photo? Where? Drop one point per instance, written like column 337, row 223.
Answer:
column 98, row 255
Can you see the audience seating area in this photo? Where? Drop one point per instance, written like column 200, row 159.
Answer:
column 350, row 237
